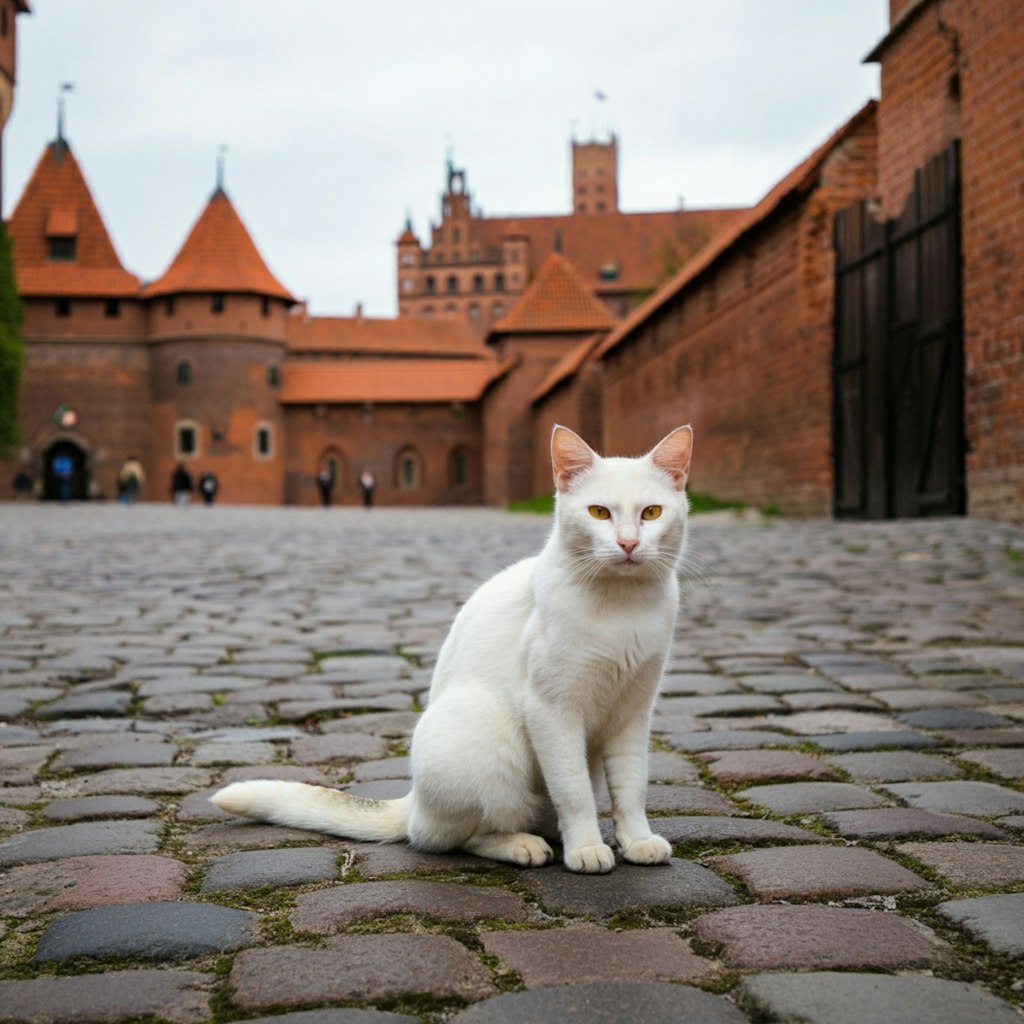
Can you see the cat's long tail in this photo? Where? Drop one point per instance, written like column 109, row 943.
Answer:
column 300, row 805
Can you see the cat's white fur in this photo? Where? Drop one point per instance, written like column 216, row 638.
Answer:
column 546, row 679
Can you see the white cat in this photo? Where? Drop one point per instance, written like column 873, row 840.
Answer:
column 546, row 679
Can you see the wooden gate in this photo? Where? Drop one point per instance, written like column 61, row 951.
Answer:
column 898, row 434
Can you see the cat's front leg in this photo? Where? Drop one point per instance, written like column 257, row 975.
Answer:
column 560, row 747
column 625, row 766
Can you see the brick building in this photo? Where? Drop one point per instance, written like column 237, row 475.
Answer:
column 852, row 345
column 855, row 344
column 478, row 266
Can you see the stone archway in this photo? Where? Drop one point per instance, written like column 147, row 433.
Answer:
column 65, row 471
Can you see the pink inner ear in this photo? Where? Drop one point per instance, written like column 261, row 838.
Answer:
column 570, row 456
column 673, row 455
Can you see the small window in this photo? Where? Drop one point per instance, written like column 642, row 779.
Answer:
column 62, row 307
column 499, row 282
column 169, row 305
column 474, row 312
column 456, row 236
column 263, row 441
column 184, row 372
column 409, row 470
column 498, row 310
column 460, row 468
column 428, row 311
column 61, row 249
column 273, row 375
column 478, row 282
column 265, row 306
column 452, row 284
column 186, row 440
column 430, row 284
column 217, row 302
column 407, row 284
column 407, row 259
column 112, row 308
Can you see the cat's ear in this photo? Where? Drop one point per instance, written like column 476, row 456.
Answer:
column 570, row 456
column 672, row 455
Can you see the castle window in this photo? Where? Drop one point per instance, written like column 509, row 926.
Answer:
column 430, row 285
column 499, row 282
column 217, row 302
column 452, row 284
column 459, row 466
column 263, row 441
column 169, row 305
column 61, row 249
column 112, row 308
column 273, row 375
column 407, row 259
column 186, row 439
column 497, row 310
column 478, row 282
column 409, row 470
column 265, row 306
column 428, row 310
column 456, row 236
column 62, row 307
column 474, row 312
column 407, row 284
column 184, row 372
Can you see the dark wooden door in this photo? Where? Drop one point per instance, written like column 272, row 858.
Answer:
column 898, row 356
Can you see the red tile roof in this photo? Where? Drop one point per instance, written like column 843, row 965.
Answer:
column 615, row 252
column 57, row 203
column 404, row 336
column 219, row 255
column 800, row 180
column 555, row 301
column 384, row 381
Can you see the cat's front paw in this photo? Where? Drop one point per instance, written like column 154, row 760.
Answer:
column 652, row 850
column 595, row 859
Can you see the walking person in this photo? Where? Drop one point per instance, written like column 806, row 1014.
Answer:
column 367, row 483
column 181, row 485
column 325, row 482
column 130, row 479
column 208, row 487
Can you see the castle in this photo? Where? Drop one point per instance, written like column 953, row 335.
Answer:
column 215, row 365
column 852, row 345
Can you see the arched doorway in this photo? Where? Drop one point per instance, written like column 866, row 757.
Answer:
column 65, row 472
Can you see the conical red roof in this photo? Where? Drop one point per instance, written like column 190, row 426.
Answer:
column 219, row 255
column 556, row 300
column 57, row 204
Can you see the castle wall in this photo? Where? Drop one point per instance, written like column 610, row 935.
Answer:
column 440, row 442
column 743, row 353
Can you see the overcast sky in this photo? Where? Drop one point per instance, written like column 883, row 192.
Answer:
column 338, row 115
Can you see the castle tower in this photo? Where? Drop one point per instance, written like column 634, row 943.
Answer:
column 217, row 329
column 85, row 384
column 595, row 176
column 409, row 256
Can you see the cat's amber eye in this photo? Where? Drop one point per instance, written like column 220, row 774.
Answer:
column 651, row 512
column 599, row 512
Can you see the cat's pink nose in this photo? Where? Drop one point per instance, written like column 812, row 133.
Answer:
column 629, row 546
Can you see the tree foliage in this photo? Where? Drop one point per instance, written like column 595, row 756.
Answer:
column 12, row 351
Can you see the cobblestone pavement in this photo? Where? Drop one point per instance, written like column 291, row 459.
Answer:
column 837, row 759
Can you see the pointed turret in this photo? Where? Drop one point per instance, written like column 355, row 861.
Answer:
column 61, row 245
column 556, row 301
column 218, row 255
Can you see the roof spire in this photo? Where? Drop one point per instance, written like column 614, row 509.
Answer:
column 221, row 152
column 61, row 143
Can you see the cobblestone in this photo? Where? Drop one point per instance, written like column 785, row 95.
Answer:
column 836, row 759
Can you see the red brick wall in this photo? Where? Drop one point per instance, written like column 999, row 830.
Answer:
column 107, row 385
column 955, row 70
column 508, row 420
column 744, row 354
column 375, row 438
